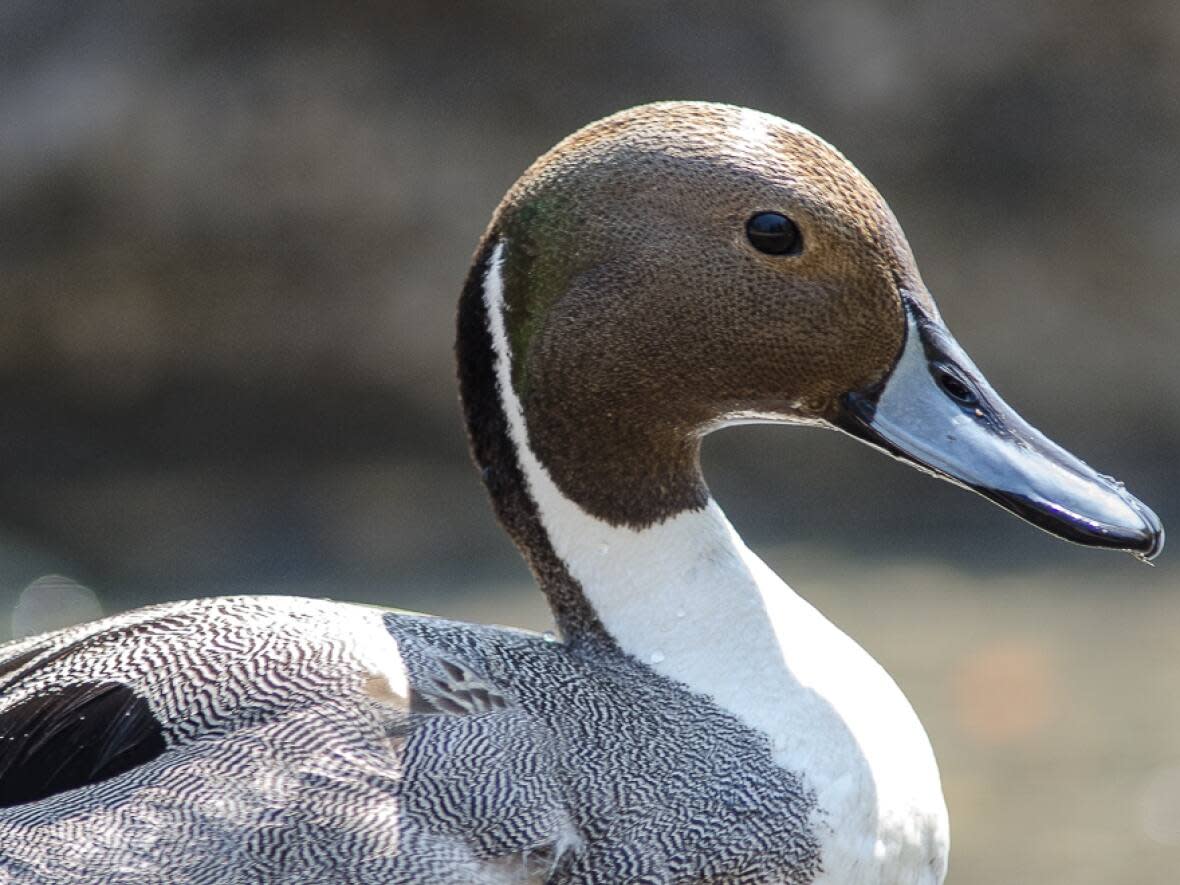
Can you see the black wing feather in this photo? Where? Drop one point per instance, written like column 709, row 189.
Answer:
column 75, row 735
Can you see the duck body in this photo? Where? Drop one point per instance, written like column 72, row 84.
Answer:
column 660, row 274
column 304, row 740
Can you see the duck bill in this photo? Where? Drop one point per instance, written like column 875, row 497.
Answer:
column 937, row 412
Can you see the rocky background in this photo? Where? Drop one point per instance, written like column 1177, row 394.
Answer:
column 232, row 235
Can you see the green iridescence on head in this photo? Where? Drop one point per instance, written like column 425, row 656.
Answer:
column 537, row 268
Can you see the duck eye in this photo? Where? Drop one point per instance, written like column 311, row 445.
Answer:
column 774, row 234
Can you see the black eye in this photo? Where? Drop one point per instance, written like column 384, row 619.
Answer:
column 774, row 234
column 955, row 388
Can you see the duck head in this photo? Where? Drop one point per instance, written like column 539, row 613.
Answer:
column 682, row 266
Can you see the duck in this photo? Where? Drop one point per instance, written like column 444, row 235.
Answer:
column 662, row 273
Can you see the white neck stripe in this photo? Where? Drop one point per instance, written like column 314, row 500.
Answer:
column 619, row 568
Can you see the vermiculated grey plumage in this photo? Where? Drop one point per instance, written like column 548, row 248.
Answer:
column 308, row 741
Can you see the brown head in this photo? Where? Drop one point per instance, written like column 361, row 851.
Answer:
column 681, row 265
column 641, row 314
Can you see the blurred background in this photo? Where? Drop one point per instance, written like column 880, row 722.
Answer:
column 231, row 240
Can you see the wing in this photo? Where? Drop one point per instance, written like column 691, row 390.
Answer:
column 266, row 740
column 84, row 734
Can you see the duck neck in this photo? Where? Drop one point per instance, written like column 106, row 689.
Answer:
column 643, row 557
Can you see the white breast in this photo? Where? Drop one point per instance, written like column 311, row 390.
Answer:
column 688, row 598
column 843, row 721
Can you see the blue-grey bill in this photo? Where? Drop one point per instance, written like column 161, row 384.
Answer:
column 937, row 412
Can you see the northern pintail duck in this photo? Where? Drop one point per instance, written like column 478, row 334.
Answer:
column 662, row 273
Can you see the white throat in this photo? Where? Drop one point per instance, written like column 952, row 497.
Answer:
column 690, row 600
